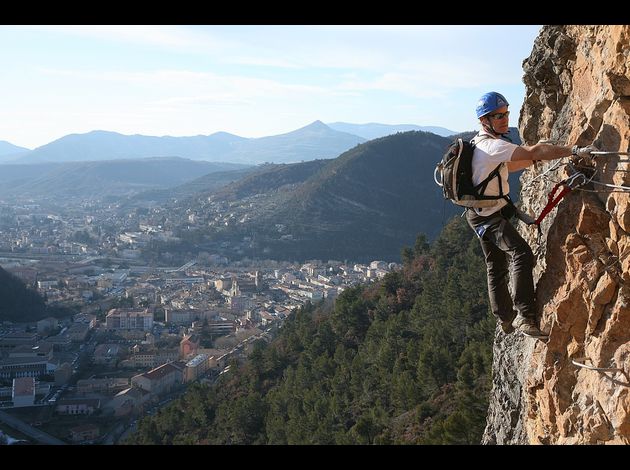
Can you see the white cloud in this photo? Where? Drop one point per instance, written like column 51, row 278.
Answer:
column 199, row 86
column 249, row 80
column 176, row 37
column 430, row 79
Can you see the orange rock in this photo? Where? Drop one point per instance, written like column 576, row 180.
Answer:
column 578, row 92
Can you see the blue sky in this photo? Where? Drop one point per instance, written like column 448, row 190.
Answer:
column 250, row 80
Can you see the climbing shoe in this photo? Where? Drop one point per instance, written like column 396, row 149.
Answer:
column 506, row 325
column 527, row 327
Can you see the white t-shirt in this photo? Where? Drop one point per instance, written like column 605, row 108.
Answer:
column 489, row 153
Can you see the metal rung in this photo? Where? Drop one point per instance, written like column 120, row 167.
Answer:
column 603, row 370
column 610, row 153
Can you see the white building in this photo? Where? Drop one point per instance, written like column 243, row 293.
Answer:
column 23, row 392
column 379, row 265
column 47, row 284
column 196, row 367
column 159, row 380
column 129, row 319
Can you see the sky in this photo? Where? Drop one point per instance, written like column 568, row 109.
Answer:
column 248, row 80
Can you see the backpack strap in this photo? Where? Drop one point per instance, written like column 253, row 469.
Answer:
column 481, row 187
column 496, row 173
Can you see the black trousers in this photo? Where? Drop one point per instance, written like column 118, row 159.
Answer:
column 503, row 246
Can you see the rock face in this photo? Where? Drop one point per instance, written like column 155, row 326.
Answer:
column 578, row 92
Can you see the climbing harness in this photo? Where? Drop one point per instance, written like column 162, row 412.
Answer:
column 579, row 361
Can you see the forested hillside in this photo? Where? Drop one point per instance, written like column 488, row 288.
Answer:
column 17, row 302
column 361, row 206
column 403, row 361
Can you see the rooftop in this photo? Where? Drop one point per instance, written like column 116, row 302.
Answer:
column 160, row 372
column 198, row 359
column 24, row 386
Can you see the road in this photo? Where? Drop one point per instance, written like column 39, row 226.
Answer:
column 34, row 433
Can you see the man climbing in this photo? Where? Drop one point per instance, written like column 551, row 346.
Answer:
column 500, row 241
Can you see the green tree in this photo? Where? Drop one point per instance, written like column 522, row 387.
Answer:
column 406, row 255
column 421, row 246
column 405, row 360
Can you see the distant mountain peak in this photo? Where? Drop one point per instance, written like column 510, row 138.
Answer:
column 374, row 130
column 316, row 125
column 225, row 134
column 101, row 131
column 316, row 140
column 7, row 149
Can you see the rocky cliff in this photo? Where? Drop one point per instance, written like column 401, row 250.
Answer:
column 578, row 92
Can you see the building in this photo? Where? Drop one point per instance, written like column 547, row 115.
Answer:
column 142, row 292
column 108, row 385
column 161, row 379
column 11, row 340
column 111, row 279
column 184, row 280
column 86, row 318
column 78, row 406
column 130, row 400
column 129, row 319
column 246, row 286
column 196, row 367
column 23, row 392
column 78, row 332
column 46, row 325
column 107, row 354
column 84, row 433
column 266, row 318
column 40, row 349
column 60, row 342
column 239, row 303
column 223, row 285
column 15, row 367
column 181, row 317
column 312, row 270
column 221, row 327
column 151, row 359
column 43, row 285
column 188, row 345
column 379, row 265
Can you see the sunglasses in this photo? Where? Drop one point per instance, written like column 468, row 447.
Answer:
column 497, row 116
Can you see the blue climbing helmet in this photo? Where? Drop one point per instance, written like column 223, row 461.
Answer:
column 489, row 102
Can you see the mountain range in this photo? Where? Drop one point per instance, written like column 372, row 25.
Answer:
column 375, row 130
column 314, row 141
column 8, row 151
column 363, row 205
column 307, row 143
column 98, row 179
